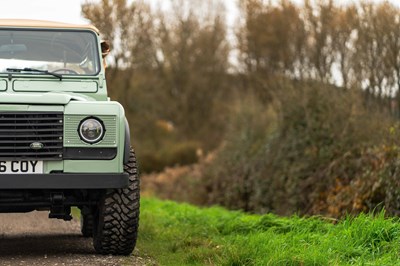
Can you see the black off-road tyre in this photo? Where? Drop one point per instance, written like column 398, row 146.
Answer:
column 87, row 225
column 117, row 218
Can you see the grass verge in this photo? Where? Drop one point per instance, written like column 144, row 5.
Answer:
column 181, row 234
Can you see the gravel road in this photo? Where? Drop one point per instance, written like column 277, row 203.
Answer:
column 33, row 239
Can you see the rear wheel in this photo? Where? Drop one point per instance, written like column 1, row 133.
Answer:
column 117, row 218
column 87, row 225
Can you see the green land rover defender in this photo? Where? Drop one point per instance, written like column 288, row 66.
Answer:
column 63, row 142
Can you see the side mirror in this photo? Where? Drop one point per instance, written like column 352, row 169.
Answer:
column 105, row 48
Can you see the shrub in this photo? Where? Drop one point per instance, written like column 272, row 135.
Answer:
column 314, row 150
column 169, row 155
column 234, row 178
column 291, row 157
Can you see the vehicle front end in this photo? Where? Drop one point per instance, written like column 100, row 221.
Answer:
column 63, row 143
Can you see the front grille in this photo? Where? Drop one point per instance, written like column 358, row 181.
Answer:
column 31, row 135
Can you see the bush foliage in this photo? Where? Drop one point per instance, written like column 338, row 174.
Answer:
column 304, row 122
column 317, row 144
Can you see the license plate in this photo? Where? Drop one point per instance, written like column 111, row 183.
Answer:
column 21, row 167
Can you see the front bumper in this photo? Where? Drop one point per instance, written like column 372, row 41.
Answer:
column 64, row 181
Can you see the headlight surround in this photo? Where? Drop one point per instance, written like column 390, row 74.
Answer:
column 91, row 130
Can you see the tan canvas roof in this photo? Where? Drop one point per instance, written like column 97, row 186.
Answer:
column 28, row 23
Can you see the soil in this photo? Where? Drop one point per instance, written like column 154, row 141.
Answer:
column 33, row 239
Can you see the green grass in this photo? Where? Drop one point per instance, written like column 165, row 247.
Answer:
column 181, row 234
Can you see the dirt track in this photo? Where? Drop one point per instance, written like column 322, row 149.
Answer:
column 33, row 239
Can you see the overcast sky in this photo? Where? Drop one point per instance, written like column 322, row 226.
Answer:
column 70, row 10
column 55, row 10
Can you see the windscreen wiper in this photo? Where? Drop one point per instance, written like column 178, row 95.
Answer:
column 27, row 69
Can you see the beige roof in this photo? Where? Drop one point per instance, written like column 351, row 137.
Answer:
column 28, row 23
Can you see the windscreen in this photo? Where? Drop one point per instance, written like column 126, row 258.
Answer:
column 64, row 52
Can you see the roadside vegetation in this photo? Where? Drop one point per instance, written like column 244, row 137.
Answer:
column 305, row 121
column 181, row 234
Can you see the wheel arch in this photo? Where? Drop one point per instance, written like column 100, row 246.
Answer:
column 127, row 146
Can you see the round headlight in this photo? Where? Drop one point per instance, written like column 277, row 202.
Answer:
column 91, row 130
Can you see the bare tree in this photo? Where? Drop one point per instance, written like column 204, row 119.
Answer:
column 167, row 64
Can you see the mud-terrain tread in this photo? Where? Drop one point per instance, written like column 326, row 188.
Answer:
column 87, row 225
column 118, row 216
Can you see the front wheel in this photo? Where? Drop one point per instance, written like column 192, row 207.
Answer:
column 117, row 219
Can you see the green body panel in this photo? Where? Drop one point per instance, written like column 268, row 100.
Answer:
column 55, row 85
column 50, row 166
column 3, row 85
column 32, row 108
column 54, row 91
column 71, row 125
column 112, row 115
column 113, row 166
column 84, row 166
column 38, row 98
